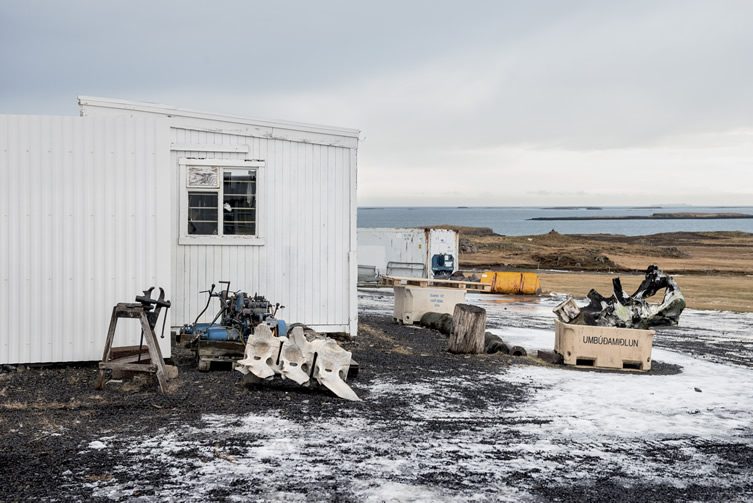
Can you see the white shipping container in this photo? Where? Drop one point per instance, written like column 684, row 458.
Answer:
column 405, row 252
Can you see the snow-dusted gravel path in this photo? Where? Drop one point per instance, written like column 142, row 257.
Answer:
column 437, row 427
column 432, row 426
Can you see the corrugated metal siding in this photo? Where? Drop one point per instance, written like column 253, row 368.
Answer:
column 84, row 205
column 306, row 220
column 378, row 246
column 391, row 245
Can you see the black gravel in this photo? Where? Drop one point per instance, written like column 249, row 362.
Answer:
column 715, row 345
column 50, row 415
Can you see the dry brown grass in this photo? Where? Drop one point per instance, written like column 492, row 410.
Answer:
column 42, row 406
column 713, row 269
column 725, row 293
column 378, row 334
column 98, row 477
column 14, row 405
column 728, row 252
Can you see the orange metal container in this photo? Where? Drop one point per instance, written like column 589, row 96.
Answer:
column 512, row 283
column 530, row 283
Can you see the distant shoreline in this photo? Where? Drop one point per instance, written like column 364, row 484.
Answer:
column 654, row 216
column 572, row 208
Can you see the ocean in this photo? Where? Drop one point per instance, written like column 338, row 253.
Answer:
column 513, row 221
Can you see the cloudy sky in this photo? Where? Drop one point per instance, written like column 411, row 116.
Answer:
column 460, row 103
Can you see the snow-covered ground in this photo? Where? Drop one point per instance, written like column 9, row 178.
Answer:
column 717, row 336
column 706, row 398
column 571, row 428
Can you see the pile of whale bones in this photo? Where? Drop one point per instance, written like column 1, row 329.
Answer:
column 300, row 357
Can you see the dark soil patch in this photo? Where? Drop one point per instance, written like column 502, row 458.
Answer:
column 48, row 415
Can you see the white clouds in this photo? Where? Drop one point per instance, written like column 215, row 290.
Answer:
column 549, row 96
column 677, row 170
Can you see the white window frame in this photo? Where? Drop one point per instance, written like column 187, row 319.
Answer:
column 184, row 238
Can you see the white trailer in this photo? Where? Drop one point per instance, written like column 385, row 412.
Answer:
column 423, row 253
column 131, row 195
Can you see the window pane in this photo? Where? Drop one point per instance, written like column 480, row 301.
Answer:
column 202, row 200
column 239, row 204
column 202, row 213
column 240, row 229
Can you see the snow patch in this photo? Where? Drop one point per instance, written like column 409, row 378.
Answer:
column 97, row 445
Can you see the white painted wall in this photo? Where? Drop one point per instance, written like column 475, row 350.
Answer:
column 307, row 215
column 85, row 222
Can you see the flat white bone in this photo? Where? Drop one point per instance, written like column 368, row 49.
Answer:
column 261, row 351
column 298, row 337
column 296, row 358
column 293, row 364
column 331, row 368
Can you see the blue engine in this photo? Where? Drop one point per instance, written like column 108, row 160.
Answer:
column 239, row 315
column 220, row 333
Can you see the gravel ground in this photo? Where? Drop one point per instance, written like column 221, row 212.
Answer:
column 432, row 427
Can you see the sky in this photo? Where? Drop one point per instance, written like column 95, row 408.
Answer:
column 469, row 103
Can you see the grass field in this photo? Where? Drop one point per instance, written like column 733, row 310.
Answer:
column 713, row 269
column 724, row 293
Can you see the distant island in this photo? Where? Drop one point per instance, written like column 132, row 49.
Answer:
column 656, row 216
column 572, row 208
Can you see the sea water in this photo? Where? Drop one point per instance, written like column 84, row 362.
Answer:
column 514, row 221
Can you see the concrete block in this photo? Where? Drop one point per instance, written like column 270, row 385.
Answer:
column 412, row 302
column 604, row 347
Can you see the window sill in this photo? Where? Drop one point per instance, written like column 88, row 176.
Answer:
column 221, row 240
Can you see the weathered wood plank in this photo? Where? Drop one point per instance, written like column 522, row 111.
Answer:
column 425, row 282
column 129, row 356
column 135, row 367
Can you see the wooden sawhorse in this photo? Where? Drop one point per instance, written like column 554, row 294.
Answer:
column 133, row 360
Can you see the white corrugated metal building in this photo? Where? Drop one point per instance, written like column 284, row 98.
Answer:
column 131, row 195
